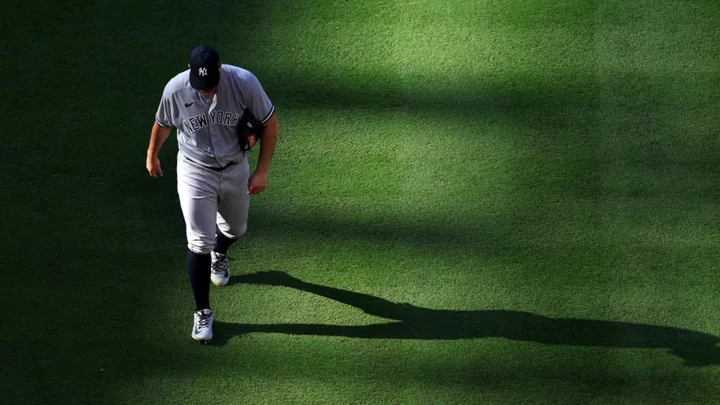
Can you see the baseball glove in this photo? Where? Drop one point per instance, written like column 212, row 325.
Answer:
column 249, row 131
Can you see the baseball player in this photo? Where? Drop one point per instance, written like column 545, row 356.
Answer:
column 205, row 104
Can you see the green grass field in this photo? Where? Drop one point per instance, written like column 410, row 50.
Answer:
column 472, row 202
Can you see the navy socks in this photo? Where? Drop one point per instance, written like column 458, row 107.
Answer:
column 199, row 271
column 222, row 242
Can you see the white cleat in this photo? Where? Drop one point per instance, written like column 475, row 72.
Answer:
column 219, row 269
column 202, row 326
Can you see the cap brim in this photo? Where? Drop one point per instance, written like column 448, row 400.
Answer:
column 204, row 83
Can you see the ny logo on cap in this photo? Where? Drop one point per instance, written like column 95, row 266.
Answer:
column 202, row 71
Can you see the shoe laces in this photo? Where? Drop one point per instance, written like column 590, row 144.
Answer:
column 220, row 265
column 203, row 320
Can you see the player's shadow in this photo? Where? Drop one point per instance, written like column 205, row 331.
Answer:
column 411, row 322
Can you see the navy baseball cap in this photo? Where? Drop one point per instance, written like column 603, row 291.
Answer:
column 204, row 68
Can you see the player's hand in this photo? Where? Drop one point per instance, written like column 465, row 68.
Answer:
column 153, row 167
column 252, row 140
column 257, row 182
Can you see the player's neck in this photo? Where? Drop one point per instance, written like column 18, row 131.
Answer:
column 210, row 93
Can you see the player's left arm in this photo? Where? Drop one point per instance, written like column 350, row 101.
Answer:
column 256, row 100
column 258, row 180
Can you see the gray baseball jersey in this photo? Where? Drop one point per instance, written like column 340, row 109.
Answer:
column 206, row 129
column 207, row 141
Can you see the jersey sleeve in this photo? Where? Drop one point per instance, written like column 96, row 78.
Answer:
column 166, row 110
column 256, row 100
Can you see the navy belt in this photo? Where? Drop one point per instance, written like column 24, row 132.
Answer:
column 217, row 169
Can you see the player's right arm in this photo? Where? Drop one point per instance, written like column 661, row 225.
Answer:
column 158, row 136
column 161, row 129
